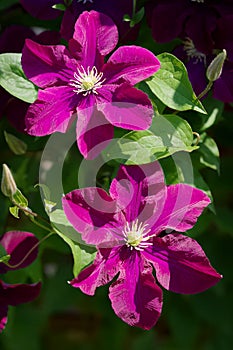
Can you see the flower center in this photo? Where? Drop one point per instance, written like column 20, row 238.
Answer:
column 135, row 235
column 84, row 1
column 87, row 81
column 198, row 0
column 192, row 52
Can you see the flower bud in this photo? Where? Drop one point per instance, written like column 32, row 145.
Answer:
column 8, row 185
column 16, row 145
column 214, row 70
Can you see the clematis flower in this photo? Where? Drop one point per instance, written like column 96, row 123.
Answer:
column 197, row 62
column 115, row 9
column 171, row 19
column 17, row 244
column 136, row 228
column 42, row 9
column 78, row 80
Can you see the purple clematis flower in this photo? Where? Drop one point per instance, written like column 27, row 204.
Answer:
column 197, row 62
column 42, row 9
column 136, row 228
column 115, row 9
column 78, row 80
column 171, row 19
column 17, row 244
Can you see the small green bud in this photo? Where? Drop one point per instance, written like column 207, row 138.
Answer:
column 16, row 145
column 214, row 70
column 8, row 185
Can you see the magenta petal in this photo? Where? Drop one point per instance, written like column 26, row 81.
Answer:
column 47, row 65
column 14, row 294
column 3, row 316
column 92, row 212
column 130, row 108
column 93, row 131
column 104, row 268
column 18, row 244
column 52, row 111
column 96, row 33
column 181, row 265
column 131, row 63
column 184, row 204
column 139, row 190
column 135, row 297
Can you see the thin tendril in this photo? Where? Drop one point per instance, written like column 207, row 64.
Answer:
column 30, row 251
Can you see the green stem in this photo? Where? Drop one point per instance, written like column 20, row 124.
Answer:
column 207, row 89
column 33, row 215
column 134, row 7
column 28, row 211
column 39, row 224
column 30, row 251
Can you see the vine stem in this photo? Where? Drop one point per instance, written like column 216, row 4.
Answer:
column 198, row 138
column 39, row 224
column 30, row 251
column 207, row 89
column 134, row 7
column 33, row 215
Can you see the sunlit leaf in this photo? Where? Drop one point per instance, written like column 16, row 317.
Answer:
column 172, row 86
column 13, row 79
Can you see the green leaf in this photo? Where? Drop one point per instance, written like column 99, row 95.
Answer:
column 181, row 169
column 82, row 256
column 48, row 204
column 2, row 251
column 16, row 145
column 209, row 153
column 214, row 109
column 60, row 7
column 4, row 257
column 60, row 221
column 157, row 104
column 168, row 134
column 137, row 17
column 14, row 211
column 126, row 18
column 19, row 199
column 172, row 86
column 13, row 80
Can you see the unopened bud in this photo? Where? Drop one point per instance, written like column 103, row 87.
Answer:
column 214, row 70
column 16, row 145
column 8, row 185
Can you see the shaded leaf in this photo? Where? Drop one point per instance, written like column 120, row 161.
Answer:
column 16, row 145
column 209, row 153
column 81, row 256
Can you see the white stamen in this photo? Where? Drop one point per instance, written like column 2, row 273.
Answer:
column 136, row 235
column 192, row 52
column 198, row 1
column 87, row 81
